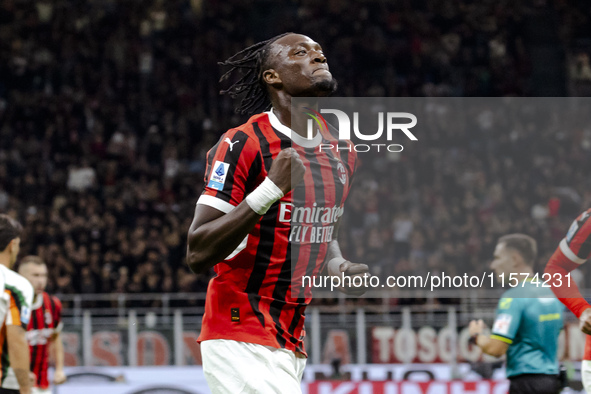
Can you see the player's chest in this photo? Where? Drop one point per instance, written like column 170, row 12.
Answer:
column 325, row 182
column 41, row 318
column 41, row 327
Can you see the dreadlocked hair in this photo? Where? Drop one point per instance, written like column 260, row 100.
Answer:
column 249, row 64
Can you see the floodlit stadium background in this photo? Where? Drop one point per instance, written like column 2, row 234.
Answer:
column 107, row 109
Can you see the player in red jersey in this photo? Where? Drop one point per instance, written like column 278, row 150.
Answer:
column 253, row 326
column 574, row 250
column 44, row 326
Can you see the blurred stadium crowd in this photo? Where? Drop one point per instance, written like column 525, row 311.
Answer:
column 107, row 108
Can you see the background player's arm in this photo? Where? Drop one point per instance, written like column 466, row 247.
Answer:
column 569, row 293
column 213, row 235
column 59, row 376
column 57, row 344
column 18, row 352
column 563, row 261
column 490, row 346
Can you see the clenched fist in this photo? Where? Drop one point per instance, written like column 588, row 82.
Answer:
column 287, row 170
column 339, row 266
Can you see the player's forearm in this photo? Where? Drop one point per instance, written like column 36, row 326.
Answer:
column 488, row 346
column 565, row 290
column 334, row 258
column 59, row 353
column 334, row 250
column 211, row 242
column 23, row 379
column 18, row 352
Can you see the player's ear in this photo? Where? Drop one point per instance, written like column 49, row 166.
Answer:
column 517, row 258
column 13, row 244
column 271, row 77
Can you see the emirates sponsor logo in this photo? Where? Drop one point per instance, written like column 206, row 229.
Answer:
column 310, row 224
column 288, row 213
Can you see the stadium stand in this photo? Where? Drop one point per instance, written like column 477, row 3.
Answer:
column 107, row 107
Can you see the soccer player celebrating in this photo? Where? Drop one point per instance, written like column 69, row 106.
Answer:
column 528, row 321
column 574, row 250
column 44, row 327
column 253, row 327
column 14, row 356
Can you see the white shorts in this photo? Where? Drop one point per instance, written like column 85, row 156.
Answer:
column 586, row 375
column 233, row 367
column 37, row 390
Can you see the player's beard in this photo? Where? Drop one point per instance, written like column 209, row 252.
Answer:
column 326, row 87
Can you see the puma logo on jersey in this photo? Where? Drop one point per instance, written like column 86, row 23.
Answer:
column 230, row 143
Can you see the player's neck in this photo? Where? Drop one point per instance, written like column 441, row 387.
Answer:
column 37, row 301
column 284, row 115
column 526, row 271
column 5, row 260
column 282, row 108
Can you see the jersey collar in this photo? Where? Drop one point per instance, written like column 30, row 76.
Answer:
column 37, row 302
column 294, row 137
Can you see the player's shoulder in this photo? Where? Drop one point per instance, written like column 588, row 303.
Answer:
column 13, row 278
column 240, row 139
column 510, row 299
column 251, row 127
column 54, row 300
column 17, row 283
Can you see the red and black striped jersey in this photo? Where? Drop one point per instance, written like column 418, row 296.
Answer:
column 46, row 321
column 577, row 243
column 256, row 296
column 573, row 250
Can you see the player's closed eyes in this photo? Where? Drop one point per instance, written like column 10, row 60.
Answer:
column 303, row 52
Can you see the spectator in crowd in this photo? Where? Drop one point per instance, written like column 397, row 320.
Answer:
column 106, row 110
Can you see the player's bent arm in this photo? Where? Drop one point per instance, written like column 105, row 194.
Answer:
column 213, row 235
column 491, row 346
column 18, row 352
column 566, row 290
